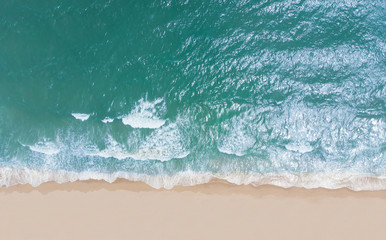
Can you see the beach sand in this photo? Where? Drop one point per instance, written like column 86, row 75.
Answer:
column 128, row 210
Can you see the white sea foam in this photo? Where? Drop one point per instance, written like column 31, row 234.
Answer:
column 48, row 148
column 236, row 144
column 113, row 150
column 141, row 121
column 145, row 114
column 237, row 140
column 108, row 120
column 163, row 144
column 299, row 148
column 81, row 116
column 12, row 176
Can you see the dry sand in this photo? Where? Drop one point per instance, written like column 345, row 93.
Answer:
column 127, row 210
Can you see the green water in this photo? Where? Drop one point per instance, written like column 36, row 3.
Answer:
column 222, row 88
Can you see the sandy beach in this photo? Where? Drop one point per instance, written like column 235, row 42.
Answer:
column 128, row 210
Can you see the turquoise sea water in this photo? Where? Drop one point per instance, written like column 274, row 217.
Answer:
column 290, row 93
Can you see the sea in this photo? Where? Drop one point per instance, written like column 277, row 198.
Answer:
column 184, row 92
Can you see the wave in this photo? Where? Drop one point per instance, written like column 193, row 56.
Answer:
column 355, row 182
column 144, row 115
column 45, row 147
column 108, row 120
column 237, row 142
column 163, row 144
column 81, row 116
column 237, row 139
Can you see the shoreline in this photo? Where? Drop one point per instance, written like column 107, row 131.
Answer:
column 121, row 210
column 354, row 181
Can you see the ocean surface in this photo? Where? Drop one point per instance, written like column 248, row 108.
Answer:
column 289, row 93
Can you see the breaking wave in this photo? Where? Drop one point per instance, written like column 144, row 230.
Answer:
column 81, row 116
column 46, row 147
column 145, row 115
